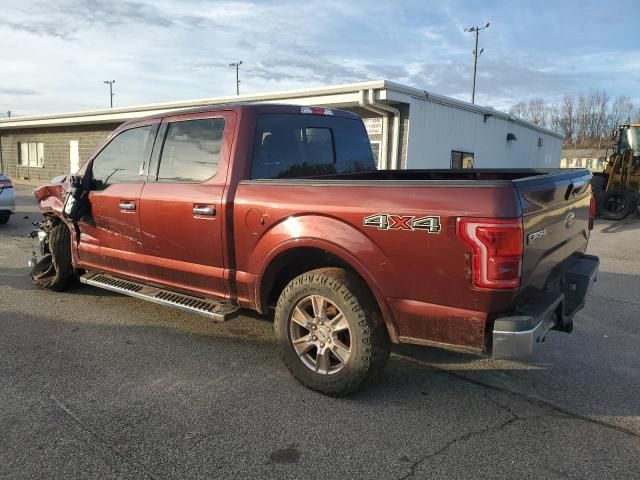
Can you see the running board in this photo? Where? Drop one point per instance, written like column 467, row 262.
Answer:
column 202, row 306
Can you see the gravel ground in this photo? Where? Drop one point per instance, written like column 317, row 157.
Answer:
column 98, row 385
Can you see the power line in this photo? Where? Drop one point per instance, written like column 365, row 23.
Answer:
column 476, row 54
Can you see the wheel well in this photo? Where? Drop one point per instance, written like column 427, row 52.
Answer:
column 288, row 265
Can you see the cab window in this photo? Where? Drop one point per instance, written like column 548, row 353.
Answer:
column 191, row 151
column 295, row 146
column 123, row 159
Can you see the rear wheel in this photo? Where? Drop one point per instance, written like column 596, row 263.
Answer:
column 330, row 331
column 54, row 271
column 616, row 204
column 4, row 217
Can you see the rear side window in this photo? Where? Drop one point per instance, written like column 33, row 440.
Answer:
column 191, row 150
column 296, row 145
column 123, row 159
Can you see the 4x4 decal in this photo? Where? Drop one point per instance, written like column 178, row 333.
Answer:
column 387, row 221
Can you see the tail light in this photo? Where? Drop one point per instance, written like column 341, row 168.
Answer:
column 592, row 212
column 497, row 250
column 5, row 183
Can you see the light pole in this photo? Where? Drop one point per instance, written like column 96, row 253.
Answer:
column 476, row 54
column 111, row 94
column 237, row 67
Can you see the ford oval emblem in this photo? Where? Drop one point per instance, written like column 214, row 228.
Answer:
column 570, row 220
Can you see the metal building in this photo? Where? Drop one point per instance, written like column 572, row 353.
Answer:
column 408, row 128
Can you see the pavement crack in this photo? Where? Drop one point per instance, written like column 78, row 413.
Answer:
column 532, row 400
column 462, row 438
column 100, row 439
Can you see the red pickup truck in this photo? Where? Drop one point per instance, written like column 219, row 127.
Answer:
column 278, row 207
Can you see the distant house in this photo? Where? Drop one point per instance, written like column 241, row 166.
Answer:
column 592, row 158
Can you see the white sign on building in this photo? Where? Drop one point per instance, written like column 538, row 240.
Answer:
column 373, row 125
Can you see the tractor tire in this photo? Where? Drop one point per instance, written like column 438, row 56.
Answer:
column 598, row 185
column 330, row 331
column 616, row 204
column 54, row 271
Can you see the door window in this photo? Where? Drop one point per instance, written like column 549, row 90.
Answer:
column 191, row 151
column 123, row 159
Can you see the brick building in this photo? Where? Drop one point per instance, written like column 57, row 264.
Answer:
column 407, row 127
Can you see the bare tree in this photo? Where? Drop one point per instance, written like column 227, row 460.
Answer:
column 622, row 111
column 537, row 112
column 519, row 110
column 567, row 118
column 585, row 120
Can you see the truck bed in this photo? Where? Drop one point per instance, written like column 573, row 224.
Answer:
column 476, row 176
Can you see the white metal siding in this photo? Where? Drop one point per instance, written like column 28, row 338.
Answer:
column 435, row 130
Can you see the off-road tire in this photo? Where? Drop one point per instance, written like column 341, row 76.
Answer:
column 627, row 199
column 54, row 271
column 598, row 184
column 369, row 338
column 4, row 218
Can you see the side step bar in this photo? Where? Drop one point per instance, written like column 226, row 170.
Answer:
column 202, row 306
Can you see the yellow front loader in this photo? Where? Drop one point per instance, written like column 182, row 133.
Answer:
column 617, row 187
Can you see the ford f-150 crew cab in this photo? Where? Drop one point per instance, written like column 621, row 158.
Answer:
column 279, row 207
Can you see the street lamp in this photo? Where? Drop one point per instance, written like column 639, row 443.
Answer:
column 111, row 94
column 237, row 67
column 476, row 54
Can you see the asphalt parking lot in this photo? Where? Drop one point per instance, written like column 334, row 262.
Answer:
column 99, row 385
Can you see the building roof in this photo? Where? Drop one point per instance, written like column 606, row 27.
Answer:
column 346, row 95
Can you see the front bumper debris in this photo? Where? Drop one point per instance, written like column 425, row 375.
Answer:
column 515, row 336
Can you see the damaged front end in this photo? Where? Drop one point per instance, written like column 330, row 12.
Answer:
column 63, row 200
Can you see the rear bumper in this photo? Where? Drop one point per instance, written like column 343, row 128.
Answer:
column 515, row 335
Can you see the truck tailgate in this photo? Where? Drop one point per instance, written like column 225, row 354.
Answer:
column 556, row 225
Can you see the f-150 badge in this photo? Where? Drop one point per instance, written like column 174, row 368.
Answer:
column 387, row 221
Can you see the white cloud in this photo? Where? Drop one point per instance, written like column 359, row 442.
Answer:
column 60, row 52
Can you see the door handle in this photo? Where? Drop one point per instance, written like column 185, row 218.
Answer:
column 208, row 211
column 127, row 206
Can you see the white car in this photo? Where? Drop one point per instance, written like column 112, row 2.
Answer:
column 7, row 199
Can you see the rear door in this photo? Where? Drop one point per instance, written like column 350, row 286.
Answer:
column 556, row 224
column 182, row 216
column 110, row 238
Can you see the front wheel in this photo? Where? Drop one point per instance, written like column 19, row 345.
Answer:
column 330, row 331
column 54, row 271
column 616, row 204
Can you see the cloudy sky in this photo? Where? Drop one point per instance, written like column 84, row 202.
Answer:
column 56, row 53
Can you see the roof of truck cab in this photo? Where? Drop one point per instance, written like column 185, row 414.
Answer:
column 255, row 107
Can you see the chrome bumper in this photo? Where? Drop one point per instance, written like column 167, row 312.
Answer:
column 516, row 335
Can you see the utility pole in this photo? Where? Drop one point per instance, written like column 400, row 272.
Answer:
column 111, row 94
column 237, row 67
column 476, row 54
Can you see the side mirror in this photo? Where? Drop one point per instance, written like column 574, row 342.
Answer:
column 75, row 203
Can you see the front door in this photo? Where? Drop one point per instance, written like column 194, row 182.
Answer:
column 110, row 238
column 182, row 216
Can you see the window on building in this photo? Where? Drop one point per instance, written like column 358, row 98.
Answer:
column 123, row 159
column 191, row 150
column 290, row 145
column 31, row 154
column 461, row 159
